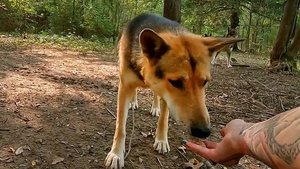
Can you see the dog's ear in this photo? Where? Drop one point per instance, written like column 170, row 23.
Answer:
column 153, row 46
column 216, row 44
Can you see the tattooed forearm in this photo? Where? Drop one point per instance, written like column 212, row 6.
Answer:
column 276, row 138
column 283, row 143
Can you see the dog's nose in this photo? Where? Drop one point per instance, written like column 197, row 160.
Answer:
column 200, row 131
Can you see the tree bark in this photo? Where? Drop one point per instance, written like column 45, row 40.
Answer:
column 293, row 49
column 248, row 30
column 234, row 23
column 283, row 36
column 172, row 10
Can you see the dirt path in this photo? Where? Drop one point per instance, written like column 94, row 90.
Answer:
column 55, row 107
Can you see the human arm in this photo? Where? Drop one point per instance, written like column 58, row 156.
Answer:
column 276, row 142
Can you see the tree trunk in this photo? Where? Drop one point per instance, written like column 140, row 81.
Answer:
column 277, row 57
column 248, row 30
column 293, row 49
column 172, row 10
column 234, row 23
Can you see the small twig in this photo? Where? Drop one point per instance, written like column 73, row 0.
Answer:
column 3, row 129
column 260, row 103
column 281, row 104
column 132, row 131
column 181, row 154
column 266, row 87
column 132, row 163
column 76, row 150
column 110, row 112
column 161, row 166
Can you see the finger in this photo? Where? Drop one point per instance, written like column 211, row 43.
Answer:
column 210, row 144
column 200, row 150
column 223, row 131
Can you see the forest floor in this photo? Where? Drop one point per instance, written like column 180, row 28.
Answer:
column 57, row 108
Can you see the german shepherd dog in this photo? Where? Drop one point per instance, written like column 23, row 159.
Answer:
column 228, row 48
column 157, row 53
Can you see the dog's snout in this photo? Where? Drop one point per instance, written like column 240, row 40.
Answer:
column 200, row 131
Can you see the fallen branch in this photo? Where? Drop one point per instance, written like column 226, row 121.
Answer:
column 240, row 65
column 266, row 87
column 260, row 103
column 110, row 112
column 181, row 154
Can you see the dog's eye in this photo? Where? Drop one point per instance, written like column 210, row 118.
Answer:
column 177, row 83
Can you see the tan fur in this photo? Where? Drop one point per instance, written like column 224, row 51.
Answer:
column 187, row 104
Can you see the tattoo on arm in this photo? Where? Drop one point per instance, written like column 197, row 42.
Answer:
column 281, row 133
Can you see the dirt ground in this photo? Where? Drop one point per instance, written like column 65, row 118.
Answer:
column 57, row 108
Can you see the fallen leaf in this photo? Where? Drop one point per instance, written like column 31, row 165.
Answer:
column 12, row 150
column 9, row 160
column 174, row 158
column 57, row 160
column 193, row 164
column 33, row 163
column 21, row 149
column 144, row 134
column 140, row 160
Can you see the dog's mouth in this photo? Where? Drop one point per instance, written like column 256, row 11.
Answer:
column 196, row 130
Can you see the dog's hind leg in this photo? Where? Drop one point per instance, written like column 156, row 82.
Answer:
column 134, row 102
column 155, row 108
column 214, row 60
column 228, row 51
column 115, row 158
column 161, row 143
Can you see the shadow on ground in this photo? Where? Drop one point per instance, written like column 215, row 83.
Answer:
column 59, row 103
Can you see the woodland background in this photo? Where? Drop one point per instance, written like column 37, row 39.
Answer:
column 102, row 20
column 59, row 78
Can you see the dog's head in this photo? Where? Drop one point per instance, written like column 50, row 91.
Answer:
column 177, row 68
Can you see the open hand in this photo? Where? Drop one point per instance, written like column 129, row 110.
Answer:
column 231, row 148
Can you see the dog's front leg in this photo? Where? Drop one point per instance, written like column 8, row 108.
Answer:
column 155, row 108
column 134, row 102
column 161, row 143
column 115, row 158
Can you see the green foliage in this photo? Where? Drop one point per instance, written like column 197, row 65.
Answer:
column 104, row 19
column 61, row 42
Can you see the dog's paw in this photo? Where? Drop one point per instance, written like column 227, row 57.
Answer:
column 133, row 105
column 114, row 161
column 155, row 111
column 162, row 146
